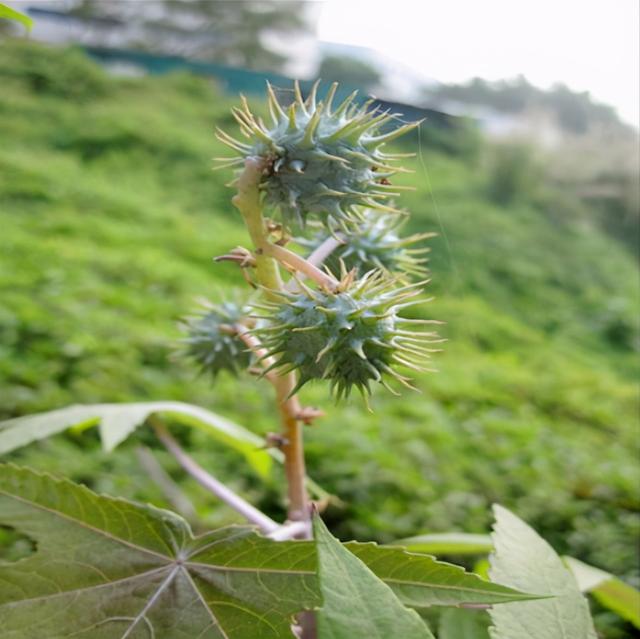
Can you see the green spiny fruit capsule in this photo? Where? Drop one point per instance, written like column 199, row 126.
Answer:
column 211, row 340
column 320, row 160
column 351, row 336
column 374, row 243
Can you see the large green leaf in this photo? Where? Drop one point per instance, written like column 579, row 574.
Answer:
column 420, row 581
column 12, row 14
column 525, row 561
column 118, row 421
column 457, row 623
column 107, row 568
column 453, row 543
column 356, row 604
column 610, row 591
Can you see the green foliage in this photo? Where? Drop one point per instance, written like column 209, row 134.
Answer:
column 105, row 566
column 513, row 174
column 77, row 80
column 540, row 371
column 355, row 602
column 524, row 560
column 463, row 140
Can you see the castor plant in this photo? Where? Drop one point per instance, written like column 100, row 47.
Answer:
column 331, row 284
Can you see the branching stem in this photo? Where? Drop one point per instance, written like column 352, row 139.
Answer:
column 254, row 344
column 322, row 252
column 161, row 478
column 294, row 530
column 317, row 258
column 248, row 202
column 301, row 265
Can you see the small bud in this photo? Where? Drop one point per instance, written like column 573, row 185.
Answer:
column 375, row 243
column 211, row 340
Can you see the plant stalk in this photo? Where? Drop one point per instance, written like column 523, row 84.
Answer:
column 248, row 202
column 161, row 478
column 208, row 481
column 253, row 343
column 316, row 258
column 301, row 265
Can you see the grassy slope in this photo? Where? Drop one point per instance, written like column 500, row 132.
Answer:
column 109, row 217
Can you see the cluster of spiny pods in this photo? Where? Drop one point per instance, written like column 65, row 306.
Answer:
column 326, row 174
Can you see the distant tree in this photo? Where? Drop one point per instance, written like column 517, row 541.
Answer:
column 514, row 173
column 234, row 33
column 350, row 71
column 574, row 111
column 503, row 95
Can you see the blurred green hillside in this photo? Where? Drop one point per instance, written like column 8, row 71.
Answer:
column 109, row 217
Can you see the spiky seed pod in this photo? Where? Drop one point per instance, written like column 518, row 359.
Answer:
column 351, row 336
column 211, row 342
column 375, row 243
column 322, row 161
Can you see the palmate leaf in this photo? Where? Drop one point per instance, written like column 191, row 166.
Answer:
column 106, row 568
column 524, row 560
column 356, row 603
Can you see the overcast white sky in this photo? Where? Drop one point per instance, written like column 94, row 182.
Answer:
column 591, row 45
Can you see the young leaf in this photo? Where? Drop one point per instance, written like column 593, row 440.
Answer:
column 457, row 623
column 524, row 560
column 118, row 421
column 420, row 581
column 12, row 14
column 356, row 602
column 453, row 543
column 107, row 568
column 610, row 591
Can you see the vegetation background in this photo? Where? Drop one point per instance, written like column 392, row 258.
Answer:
column 110, row 215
